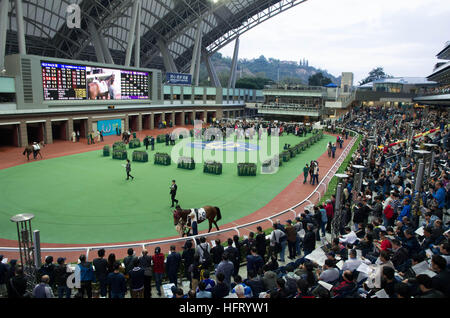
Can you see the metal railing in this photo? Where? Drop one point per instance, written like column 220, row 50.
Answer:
column 308, row 201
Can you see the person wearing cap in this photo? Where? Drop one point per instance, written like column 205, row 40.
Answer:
column 61, row 276
column 48, row 268
column 173, row 193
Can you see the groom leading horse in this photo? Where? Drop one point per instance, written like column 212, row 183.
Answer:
column 180, row 217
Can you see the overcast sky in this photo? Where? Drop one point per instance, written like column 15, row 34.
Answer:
column 403, row 36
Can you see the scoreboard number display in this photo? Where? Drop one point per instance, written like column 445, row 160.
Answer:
column 78, row 82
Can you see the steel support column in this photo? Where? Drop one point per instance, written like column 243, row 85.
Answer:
column 232, row 79
column 4, row 6
column 20, row 28
column 196, row 51
column 131, row 33
column 169, row 64
column 137, row 45
column 96, row 41
column 213, row 78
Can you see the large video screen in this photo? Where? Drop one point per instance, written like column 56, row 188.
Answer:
column 78, row 82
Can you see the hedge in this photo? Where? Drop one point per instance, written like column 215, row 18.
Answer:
column 140, row 156
column 120, row 154
column 246, row 169
column 162, row 159
column 119, row 145
column 212, row 167
column 106, row 151
column 160, row 139
column 134, row 143
column 186, row 163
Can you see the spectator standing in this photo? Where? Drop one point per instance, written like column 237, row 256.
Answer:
column 101, row 271
column 137, row 280
column 87, row 276
column 145, row 261
column 158, row 268
column 116, row 282
column 173, row 265
column 43, row 289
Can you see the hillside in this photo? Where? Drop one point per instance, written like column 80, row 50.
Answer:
column 288, row 71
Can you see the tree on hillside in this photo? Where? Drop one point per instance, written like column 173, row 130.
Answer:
column 318, row 80
column 375, row 74
column 253, row 82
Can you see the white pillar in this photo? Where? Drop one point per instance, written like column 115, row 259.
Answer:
column 214, row 79
column 196, row 51
column 169, row 64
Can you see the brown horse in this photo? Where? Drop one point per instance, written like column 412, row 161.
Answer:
column 30, row 150
column 180, row 217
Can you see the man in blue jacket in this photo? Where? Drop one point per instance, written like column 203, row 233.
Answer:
column 254, row 261
column 173, row 265
column 406, row 211
column 86, row 276
column 439, row 195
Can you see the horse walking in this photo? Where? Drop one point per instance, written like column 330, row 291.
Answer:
column 33, row 149
column 210, row 213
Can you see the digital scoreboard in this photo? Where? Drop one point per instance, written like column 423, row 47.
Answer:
column 79, row 82
column 63, row 82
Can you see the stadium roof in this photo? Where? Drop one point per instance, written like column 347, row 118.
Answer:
column 444, row 54
column 401, row 80
column 172, row 21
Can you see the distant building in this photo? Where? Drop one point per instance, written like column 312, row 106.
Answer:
column 346, row 82
column 440, row 93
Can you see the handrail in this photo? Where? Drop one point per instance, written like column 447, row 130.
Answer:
column 332, row 170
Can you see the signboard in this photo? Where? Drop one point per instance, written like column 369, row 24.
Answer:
column 178, row 78
column 109, row 127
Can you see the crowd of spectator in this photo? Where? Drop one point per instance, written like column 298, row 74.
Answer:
column 387, row 240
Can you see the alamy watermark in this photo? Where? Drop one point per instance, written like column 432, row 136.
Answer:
column 73, row 18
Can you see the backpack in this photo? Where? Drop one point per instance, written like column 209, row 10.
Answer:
column 206, row 256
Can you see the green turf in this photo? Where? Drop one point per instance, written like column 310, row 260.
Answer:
column 85, row 198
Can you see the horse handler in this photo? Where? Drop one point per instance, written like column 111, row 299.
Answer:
column 173, row 193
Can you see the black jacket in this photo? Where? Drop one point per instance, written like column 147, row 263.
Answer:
column 220, row 290
column 101, row 268
column 173, row 262
column 216, row 254
column 309, row 241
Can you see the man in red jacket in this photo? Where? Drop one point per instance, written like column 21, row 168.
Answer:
column 330, row 214
column 158, row 268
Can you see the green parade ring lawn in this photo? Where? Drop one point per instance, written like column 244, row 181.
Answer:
column 86, row 199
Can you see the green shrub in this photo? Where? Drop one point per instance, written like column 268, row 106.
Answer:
column 134, row 143
column 120, row 154
column 286, row 156
column 106, row 151
column 186, row 163
column 119, row 145
column 246, row 169
column 212, row 167
column 140, row 156
column 162, row 159
column 160, row 139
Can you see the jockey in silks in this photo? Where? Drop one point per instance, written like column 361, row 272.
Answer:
column 36, row 148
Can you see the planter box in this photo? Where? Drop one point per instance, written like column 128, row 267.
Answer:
column 120, row 154
column 160, row 139
column 119, row 145
column 140, row 156
column 246, row 169
column 186, row 163
column 134, row 143
column 162, row 159
column 106, row 151
column 212, row 167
